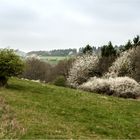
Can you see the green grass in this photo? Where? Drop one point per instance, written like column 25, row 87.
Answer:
column 47, row 111
column 53, row 59
column 9, row 126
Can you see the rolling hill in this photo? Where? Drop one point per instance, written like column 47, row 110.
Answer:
column 34, row 110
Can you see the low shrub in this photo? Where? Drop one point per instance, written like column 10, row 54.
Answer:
column 120, row 86
column 10, row 65
column 60, row 81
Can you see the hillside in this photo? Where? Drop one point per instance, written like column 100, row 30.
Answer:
column 46, row 111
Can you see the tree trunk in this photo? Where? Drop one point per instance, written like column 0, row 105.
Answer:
column 3, row 81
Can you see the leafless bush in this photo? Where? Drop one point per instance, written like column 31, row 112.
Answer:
column 37, row 70
column 62, row 68
column 40, row 70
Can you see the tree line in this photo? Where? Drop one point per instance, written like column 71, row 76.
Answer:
column 109, row 49
column 59, row 52
column 35, row 69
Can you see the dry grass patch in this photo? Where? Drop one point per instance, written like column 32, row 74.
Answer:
column 9, row 126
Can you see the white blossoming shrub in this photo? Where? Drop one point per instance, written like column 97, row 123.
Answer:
column 123, row 66
column 83, row 67
column 119, row 86
column 124, row 87
column 97, row 85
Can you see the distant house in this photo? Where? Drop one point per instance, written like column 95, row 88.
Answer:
column 71, row 53
column 33, row 56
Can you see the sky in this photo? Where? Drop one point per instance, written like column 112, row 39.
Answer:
column 60, row 24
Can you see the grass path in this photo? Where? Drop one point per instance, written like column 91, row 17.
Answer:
column 47, row 111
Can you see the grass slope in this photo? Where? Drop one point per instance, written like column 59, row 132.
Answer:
column 47, row 111
column 9, row 126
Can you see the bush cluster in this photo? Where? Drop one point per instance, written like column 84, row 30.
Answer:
column 60, row 81
column 128, row 64
column 36, row 69
column 119, row 86
column 118, row 81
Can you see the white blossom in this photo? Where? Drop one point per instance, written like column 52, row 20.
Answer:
column 123, row 66
column 119, row 86
column 81, row 69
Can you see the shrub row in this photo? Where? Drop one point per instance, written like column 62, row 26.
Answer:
column 115, row 82
column 119, row 86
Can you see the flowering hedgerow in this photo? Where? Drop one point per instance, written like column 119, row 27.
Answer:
column 119, row 86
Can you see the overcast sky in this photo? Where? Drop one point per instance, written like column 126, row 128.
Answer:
column 56, row 24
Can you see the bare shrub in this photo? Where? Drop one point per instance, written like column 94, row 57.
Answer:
column 84, row 66
column 37, row 70
column 120, row 86
column 62, row 68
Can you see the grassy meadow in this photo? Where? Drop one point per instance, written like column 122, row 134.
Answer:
column 53, row 59
column 46, row 111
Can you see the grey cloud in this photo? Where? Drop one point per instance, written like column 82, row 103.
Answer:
column 118, row 10
column 13, row 17
column 52, row 24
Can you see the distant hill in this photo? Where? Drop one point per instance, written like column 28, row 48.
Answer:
column 21, row 53
column 59, row 52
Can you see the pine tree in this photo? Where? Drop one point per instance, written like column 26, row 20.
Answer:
column 88, row 49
